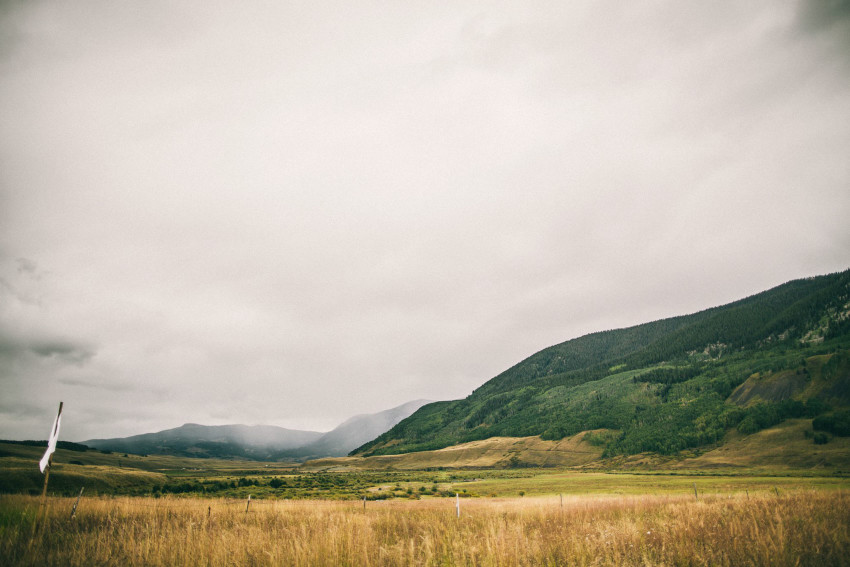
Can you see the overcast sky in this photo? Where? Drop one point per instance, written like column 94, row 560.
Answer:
column 289, row 213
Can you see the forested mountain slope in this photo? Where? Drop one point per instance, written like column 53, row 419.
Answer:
column 667, row 385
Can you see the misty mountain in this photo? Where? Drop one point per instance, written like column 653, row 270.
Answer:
column 259, row 442
column 668, row 385
column 355, row 431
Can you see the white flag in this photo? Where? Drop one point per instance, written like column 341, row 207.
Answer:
column 51, row 443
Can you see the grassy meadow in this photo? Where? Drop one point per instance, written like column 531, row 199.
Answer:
column 172, row 511
column 801, row 527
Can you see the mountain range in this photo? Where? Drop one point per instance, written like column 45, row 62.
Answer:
column 354, row 432
column 259, row 442
column 685, row 382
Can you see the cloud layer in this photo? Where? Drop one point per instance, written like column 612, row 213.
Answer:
column 293, row 214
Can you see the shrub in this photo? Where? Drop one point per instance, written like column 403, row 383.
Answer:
column 838, row 423
column 748, row 425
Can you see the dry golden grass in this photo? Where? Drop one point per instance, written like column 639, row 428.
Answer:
column 492, row 452
column 801, row 528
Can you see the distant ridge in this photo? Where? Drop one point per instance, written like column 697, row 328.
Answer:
column 259, row 442
column 355, row 431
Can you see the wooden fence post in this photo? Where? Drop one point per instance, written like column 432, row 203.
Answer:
column 74, row 509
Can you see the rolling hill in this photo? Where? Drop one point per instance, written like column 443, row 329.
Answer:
column 666, row 386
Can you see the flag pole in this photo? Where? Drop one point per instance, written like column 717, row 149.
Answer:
column 44, row 465
column 46, row 476
column 51, row 446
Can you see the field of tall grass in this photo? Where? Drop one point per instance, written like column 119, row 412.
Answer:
column 768, row 528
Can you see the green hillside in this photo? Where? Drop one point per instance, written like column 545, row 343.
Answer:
column 668, row 385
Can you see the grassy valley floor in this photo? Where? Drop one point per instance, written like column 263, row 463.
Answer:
column 720, row 507
column 801, row 527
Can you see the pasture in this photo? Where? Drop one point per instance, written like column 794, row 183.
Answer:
column 168, row 511
column 799, row 527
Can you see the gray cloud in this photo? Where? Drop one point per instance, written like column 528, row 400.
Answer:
column 96, row 385
column 818, row 15
column 61, row 349
column 67, row 351
column 293, row 214
column 20, row 334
